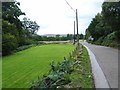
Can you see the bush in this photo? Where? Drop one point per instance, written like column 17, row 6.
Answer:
column 109, row 40
column 28, row 41
column 57, row 76
column 99, row 41
column 39, row 43
column 29, row 44
column 23, row 47
column 9, row 43
column 111, row 36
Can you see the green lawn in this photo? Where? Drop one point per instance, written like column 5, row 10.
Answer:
column 25, row 66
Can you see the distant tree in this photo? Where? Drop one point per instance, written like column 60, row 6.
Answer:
column 81, row 36
column 69, row 36
column 57, row 37
column 30, row 26
column 87, row 34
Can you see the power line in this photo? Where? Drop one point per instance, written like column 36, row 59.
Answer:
column 69, row 5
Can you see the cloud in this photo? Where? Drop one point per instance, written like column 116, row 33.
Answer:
column 56, row 17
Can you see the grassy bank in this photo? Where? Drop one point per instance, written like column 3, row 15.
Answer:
column 81, row 77
column 21, row 68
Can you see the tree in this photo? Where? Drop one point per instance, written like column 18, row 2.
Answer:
column 104, row 28
column 69, row 36
column 98, row 28
column 15, row 32
column 11, row 12
column 58, row 37
column 81, row 36
column 10, row 28
column 92, row 27
column 111, row 14
column 9, row 43
column 87, row 34
column 30, row 26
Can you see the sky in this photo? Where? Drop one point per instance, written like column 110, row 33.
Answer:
column 56, row 16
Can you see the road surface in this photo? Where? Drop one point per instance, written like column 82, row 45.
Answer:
column 107, row 59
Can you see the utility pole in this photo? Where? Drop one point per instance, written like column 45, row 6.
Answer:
column 76, row 21
column 77, row 27
column 74, row 33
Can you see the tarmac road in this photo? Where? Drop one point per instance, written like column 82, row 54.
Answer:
column 107, row 59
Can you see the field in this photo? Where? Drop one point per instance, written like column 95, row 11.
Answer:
column 23, row 67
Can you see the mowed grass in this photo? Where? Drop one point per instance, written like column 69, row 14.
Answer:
column 25, row 66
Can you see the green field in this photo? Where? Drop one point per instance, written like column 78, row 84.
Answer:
column 21, row 68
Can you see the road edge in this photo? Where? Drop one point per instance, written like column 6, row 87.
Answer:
column 98, row 75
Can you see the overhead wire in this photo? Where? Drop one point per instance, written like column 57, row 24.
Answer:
column 69, row 5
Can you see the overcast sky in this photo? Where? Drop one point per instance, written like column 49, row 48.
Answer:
column 56, row 17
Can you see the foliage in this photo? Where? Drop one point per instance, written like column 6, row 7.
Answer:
column 109, row 39
column 104, row 28
column 56, row 38
column 30, row 26
column 15, row 29
column 23, row 47
column 11, row 12
column 57, row 76
column 97, row 28
column 81, row 36
column 9, row 43
column 111, row 14
column 87, row 34
column 69, row 36
column 81, row 77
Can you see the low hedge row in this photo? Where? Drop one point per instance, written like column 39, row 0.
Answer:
column 58, row 75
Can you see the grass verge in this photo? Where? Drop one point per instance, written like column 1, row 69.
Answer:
column 81, row 76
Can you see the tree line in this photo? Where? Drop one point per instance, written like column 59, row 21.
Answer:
column 16, row 33
column 59, row 37
column 104, row 27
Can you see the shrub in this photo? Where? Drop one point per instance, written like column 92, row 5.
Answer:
column 28, row 41
column 39, row 43
column 9, row 43
column 58, row 75
column 23, row 47
column 99, row 41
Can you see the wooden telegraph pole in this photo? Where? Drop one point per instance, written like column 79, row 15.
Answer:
column 77, row 27
column 74, row 33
